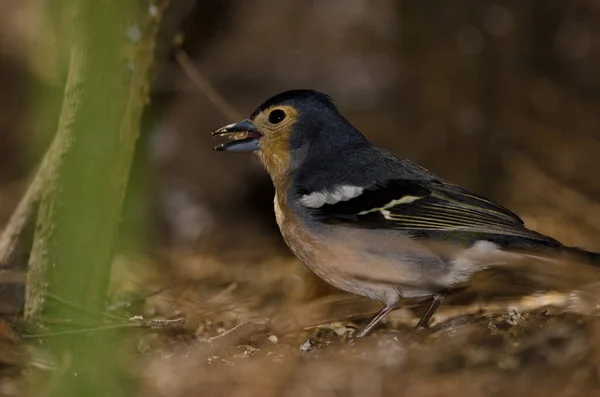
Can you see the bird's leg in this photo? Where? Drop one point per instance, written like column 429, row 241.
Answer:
column 382, row 313
column 435, row 303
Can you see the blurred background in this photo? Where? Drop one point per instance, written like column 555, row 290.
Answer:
column 501, row 97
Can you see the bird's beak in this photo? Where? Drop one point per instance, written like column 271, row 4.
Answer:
column 244, row 137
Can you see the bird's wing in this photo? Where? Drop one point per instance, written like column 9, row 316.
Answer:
column 417, row 207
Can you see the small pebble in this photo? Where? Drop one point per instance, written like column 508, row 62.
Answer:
column 306, row 346
column 273, row 339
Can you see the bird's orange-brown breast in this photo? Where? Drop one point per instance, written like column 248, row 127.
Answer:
column 311, row 250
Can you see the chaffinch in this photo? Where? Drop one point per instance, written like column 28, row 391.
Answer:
column 363, row 219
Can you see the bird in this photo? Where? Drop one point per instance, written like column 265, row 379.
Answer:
column 366, row 220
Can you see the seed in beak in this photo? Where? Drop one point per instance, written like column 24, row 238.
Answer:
column 240, row 135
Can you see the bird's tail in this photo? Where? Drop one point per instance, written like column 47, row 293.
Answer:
column 592, row 258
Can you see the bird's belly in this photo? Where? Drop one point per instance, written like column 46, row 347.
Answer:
column 340, row 262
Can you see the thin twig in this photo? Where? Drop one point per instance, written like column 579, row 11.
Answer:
column 80, row 308
column 23, row 214
column 155, row 323
column 83, row 330
column 240, row 332
column 202, row 83
column 134, row 322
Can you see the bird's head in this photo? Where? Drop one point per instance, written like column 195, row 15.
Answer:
column 288, row 128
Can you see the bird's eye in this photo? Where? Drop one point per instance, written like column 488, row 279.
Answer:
column 276, row 116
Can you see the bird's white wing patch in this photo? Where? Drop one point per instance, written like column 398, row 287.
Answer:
column 340, row 193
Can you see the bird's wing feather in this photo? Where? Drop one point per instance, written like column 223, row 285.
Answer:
column 415, row 206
